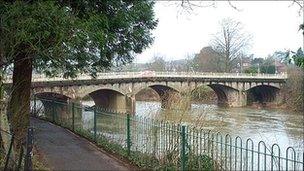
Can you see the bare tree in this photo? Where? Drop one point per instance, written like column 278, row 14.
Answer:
column 230, row 42
column 300, row 3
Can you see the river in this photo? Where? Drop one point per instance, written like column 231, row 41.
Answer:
column 282, row 127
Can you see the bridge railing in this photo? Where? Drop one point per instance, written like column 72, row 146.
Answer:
column 219, row 75
column 115, row 75
column 144, row 74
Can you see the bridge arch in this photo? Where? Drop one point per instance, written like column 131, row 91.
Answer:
column 226, row 95
column 54, row 92
column 86, row 90
column 52, row 96
column 53, row 106
column 254, row 84
column 108, row 98
column 221, row 93
column 168, row 94
column 175, row 86
column 262, row 94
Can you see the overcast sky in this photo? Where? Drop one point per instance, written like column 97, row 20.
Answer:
column 273, row 26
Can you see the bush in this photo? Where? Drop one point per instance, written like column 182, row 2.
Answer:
column 251, row 70
column 293, row 90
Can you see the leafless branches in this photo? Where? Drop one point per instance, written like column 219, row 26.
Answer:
column 300, row 3
column 189, row 5
column 230, row 42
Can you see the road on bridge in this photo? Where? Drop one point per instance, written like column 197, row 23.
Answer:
column 63, row 150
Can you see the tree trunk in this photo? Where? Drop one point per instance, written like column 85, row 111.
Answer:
column 19, row 105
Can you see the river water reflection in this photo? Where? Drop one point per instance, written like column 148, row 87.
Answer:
column 269, row 125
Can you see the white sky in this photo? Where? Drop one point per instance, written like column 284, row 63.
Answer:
column 273, row 26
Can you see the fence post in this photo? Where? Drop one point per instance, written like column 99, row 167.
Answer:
column 20, row 159
column 183, row 147
column 128, row 135
column 29, row 147
column 73, row 116
column 53, row 111
column 9, row 153
column 35, row 107
column 95, row 125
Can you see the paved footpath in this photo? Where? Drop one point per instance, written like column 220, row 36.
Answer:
column 63, row 150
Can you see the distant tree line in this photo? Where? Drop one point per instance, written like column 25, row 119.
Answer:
column 209, row 60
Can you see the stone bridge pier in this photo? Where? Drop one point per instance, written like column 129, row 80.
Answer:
column 168, row 96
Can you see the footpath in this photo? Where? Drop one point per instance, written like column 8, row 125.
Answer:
column 63, row 150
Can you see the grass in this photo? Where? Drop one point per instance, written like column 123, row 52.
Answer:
column 2, row 161
column 145, row 161
column 38, row 162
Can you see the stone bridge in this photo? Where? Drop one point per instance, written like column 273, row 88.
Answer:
column 117, row 90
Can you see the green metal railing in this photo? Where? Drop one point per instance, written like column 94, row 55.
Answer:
column 8, row 159
column 154, row 144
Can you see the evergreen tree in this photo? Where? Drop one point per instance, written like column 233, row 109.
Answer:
column 66, row 38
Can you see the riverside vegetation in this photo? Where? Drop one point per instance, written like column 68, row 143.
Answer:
column 293, row 91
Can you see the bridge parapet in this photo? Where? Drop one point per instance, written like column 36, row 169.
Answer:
column 152, row 74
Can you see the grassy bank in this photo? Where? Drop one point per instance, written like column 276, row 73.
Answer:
column 38, row 160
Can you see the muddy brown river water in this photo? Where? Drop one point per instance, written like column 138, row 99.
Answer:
column 282, row 127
